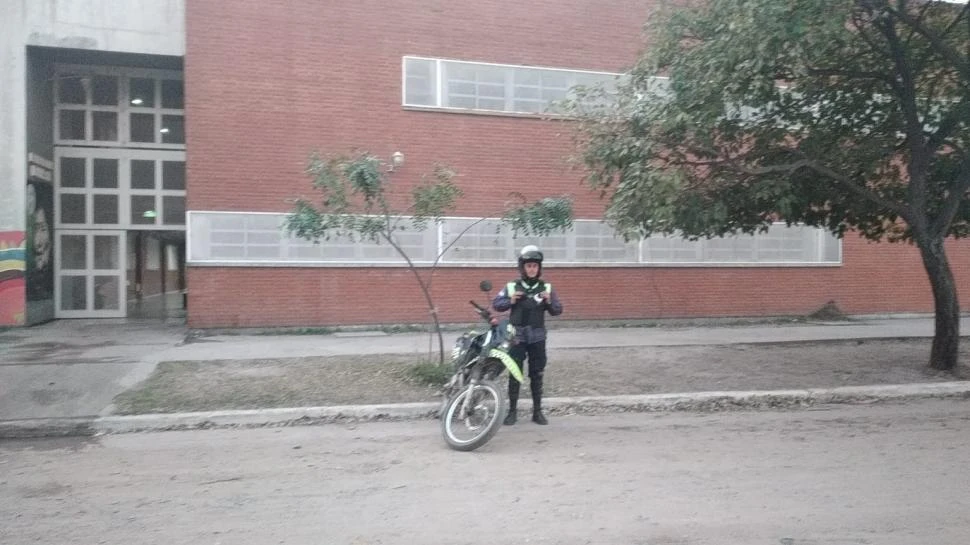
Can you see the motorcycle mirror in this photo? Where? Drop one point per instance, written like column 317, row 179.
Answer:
column 485, row 286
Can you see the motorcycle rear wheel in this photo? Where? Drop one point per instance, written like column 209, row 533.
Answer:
column 488, row 409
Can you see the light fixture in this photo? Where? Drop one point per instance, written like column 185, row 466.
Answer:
column 137, row 101
column 150, row 214
column 163, row 130
column 397, row 160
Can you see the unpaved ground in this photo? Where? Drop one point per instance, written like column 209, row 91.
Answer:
column 343, row 380
column 891, row 474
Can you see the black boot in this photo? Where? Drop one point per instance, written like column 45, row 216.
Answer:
column 513, row 401
column 536, row 385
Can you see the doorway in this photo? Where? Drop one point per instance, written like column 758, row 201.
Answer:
column 156, row 274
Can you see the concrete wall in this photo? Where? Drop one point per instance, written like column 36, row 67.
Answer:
column 148, row 27
column 133, row 26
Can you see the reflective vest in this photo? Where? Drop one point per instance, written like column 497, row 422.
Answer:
column 530, row 309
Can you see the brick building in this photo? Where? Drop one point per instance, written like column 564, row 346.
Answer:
column 174, row 135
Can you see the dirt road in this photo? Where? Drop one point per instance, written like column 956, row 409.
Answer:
column 889, row 474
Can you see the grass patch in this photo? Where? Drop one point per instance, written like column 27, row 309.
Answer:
column 430, row 374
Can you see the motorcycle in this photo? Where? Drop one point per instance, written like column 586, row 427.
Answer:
column 474, row 402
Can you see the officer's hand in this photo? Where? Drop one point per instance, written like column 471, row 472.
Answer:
column 517, row 295
column 545, row 296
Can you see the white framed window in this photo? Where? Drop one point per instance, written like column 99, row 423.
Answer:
column 119, row 107
column 489, row 87
column 112, row 188
column 257, row 238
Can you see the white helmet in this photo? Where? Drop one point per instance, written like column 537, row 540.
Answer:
column 530, row 254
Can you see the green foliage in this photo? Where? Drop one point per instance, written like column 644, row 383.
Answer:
column 841, row 114
column 540, row 218
column 429, row 373
column 433, row 199
column 354, row 203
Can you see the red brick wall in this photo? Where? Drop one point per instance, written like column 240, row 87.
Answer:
column 268, row 81
column 874, row 279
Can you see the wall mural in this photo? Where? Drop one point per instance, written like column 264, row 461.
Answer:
column 40, row 241
column 12, row 278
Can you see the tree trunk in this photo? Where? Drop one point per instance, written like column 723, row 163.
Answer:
column 946, row 341
column 425, row 289
column 434, row 315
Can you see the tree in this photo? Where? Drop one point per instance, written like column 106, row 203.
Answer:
column 850, row 115
column 356, row 203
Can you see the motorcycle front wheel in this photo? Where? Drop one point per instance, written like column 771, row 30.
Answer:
column 469, row 429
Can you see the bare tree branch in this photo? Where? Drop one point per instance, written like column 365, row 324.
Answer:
column 959, row 62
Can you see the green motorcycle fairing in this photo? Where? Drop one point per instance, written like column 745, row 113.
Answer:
column 508, row 362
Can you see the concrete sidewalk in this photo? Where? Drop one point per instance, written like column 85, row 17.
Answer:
column 70, row 370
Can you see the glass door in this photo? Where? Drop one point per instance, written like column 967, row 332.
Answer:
column 90, row 280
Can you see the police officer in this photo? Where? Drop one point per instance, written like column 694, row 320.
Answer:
column 529, row 298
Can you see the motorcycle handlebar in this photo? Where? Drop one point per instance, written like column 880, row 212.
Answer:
column 483, row 312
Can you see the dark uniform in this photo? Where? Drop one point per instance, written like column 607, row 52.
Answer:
column 528, row 314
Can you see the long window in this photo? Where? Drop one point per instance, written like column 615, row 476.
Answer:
column 247, row 239
column 460, row 85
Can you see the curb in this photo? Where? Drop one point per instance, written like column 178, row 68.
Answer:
column 693, row 402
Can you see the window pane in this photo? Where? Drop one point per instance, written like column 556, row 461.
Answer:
column 140, row 205
column 70, row 90
column 461, row 102
column 491, row 104
column 72, row 125
column 526, row 92
column 831, row 248
column 173, row 129
column 142, row 127
column 73, row 252
column 72, row 172
column 174, row 210
column 529, row 106
column 106, row 173
column 556, row 79
column 491, row 91
column 420, row 82
column 74, row 293
column 173, row 94
column 527, row 76
column 173, row 175
column 105, row 91
column 142, row 174
column 142, row 92
column 105, row 126
column 106, row 252
column 106, row 293
column 106, row 209
column 72, row 208
column 456, row 88
column 550, row 95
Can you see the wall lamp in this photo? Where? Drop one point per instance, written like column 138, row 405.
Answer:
column 397, row 160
